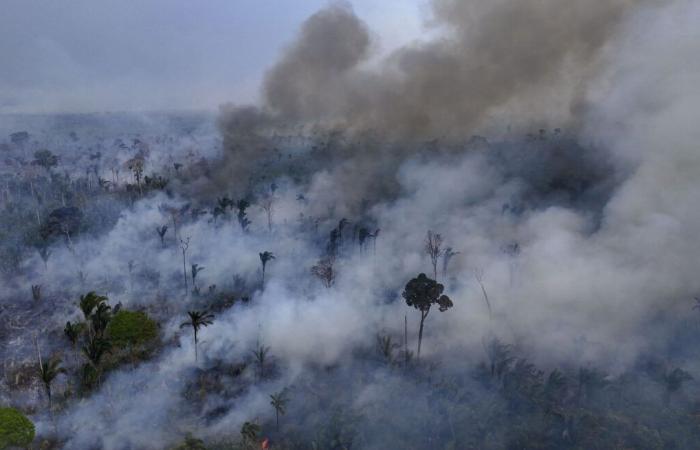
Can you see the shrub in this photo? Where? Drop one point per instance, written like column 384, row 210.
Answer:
column 129, row 329
column 15, row 429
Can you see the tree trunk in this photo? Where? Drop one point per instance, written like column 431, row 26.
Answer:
column 184, row 271
column 423, row 315
column 405, row 340
column 195, row 345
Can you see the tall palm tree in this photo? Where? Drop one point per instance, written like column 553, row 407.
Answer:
column 196, row 268
column 95, row 349
column 260, row 354
column 100, row 318
column 72, row 332
column 47, row 373
column 279, row 402
column 89, row 302
column 197, row 320
column 265, row 257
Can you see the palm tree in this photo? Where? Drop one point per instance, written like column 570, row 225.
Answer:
column 47, row 373
column 100, row 318
column 279, row 402
column 265, row 257
column 94, row 350
column 196, row 268
column 89, row 302
column 260, row 355
column 197, row 320
column 72, row 332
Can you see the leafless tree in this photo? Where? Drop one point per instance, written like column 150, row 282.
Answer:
column 433, row 247
column 267, row 203
column 36, row 292
column 479, row 276
column 161, row 233
column 184, row 245
column 324, row 271
column 446, row 258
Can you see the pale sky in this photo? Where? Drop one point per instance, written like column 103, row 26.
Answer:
column 116, row 55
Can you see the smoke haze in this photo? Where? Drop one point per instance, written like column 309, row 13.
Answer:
column 569, row 130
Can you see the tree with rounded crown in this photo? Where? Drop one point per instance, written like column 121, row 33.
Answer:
column 131, row 329
column 15, row 429
column 422, row 293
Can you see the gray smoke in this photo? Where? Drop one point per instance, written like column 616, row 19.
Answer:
column 493, row 66
column 489, row 55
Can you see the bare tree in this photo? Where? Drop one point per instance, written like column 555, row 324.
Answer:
column 267, row 203
column 433, row 247
column 184, row 245
column 512, row 250
column 36, row 292
column 161, row 233
column 44, row 254
column 446, row 258
column 479, row 276
column 324, row 271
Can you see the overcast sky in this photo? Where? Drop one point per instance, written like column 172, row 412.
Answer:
column 115, row 55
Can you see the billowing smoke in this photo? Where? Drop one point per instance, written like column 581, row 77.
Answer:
column 532, row 56
column 489, row 67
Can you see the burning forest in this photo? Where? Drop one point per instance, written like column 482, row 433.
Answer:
column 481, row 238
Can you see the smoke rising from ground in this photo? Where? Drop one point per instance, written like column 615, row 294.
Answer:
column 605, row 219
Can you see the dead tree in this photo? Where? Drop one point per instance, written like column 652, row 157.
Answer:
column 433, row 247
column 184, row 245
column 479, row 276
column 324, row 271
